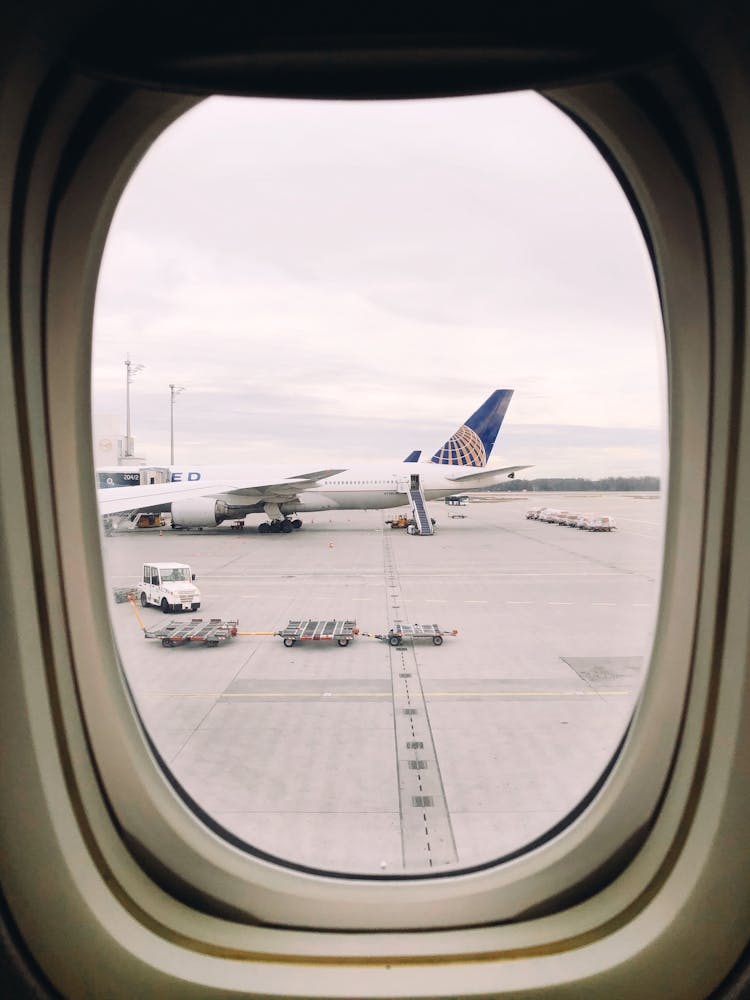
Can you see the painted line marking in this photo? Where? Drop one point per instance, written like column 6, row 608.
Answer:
column 588, row 693
column 476, row 602
column 603, row 604
column 560, row 604
column 519, row 602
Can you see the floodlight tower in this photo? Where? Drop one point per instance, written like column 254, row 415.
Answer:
column 131, row 369
column 174, row 390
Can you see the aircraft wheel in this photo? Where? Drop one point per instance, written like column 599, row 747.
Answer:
column 144, row 602
column 437, row 640
column 164, row 606
column 263, row 528
column 296, row 524
column 286, row 527
column 275, row 527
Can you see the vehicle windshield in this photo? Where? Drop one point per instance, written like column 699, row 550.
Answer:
column 172, row 575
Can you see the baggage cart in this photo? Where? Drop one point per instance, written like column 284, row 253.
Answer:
column 307, row 630
column 401, row 630
column 211, row 632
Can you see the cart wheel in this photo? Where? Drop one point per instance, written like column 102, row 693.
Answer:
column 343, row 642
column 167, row 642
column 288, row 641
column 144, row 602
column 164, row 606
column 211, row 642
column 394, row 640
column 437, row 640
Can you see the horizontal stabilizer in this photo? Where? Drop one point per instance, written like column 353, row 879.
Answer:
column 488, row 475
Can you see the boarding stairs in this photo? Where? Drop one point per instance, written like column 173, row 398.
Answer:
column 422, row 521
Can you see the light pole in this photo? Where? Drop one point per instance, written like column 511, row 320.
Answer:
column 132, row 370
column 174, row 390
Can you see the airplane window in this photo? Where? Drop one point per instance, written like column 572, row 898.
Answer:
column 294, row 290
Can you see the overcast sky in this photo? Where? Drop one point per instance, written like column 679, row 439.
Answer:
column 343, row 281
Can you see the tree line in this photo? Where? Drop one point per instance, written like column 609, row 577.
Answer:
column 612, row 484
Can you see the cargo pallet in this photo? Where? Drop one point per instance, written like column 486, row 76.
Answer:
column 400, row 631
column 210, row 632
column 307, row 630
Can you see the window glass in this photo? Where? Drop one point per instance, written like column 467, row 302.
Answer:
column 294, row 297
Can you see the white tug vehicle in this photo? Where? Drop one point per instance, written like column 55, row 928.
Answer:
column 169, row 586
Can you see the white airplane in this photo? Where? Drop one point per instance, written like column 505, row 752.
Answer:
column 202, row 497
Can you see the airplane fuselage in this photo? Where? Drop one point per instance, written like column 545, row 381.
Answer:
column 365, row 487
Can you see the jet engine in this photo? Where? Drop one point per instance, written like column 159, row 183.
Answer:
column 199, row 512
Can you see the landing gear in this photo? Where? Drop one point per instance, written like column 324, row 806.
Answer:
column 284, row 525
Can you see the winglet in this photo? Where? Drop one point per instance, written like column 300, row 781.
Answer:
column 472, row 443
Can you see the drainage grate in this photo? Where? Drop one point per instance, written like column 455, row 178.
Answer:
column 410, row 711
column 404, row 675
column 417, row 765
column 422, row 801
column 414, row 745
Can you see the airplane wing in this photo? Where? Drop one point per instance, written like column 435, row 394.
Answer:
column 160, row 496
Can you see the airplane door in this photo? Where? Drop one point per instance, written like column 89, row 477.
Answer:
column 414, row 482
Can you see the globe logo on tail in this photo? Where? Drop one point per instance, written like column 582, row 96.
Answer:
column 463, row 448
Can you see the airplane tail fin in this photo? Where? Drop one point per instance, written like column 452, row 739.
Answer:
column 413, row 456
column 472, row 442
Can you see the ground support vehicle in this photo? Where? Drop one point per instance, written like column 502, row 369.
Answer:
column 404, row 521
column 169, row 586
column 210, row 632
column 400, row 631
column 400, row 521
column 307, row 630
column 596, row 522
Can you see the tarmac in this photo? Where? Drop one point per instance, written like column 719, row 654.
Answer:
column 381, row 759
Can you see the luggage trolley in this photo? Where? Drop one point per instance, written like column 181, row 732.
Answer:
column 307, row 630
column 401, row 630
column 211, row 632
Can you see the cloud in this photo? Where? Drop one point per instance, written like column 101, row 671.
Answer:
column 338, row 276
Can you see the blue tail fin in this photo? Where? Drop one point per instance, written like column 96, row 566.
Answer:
column 472, row 442
column 413, row 456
